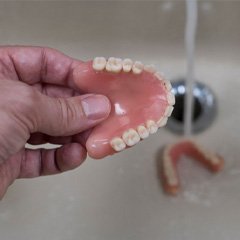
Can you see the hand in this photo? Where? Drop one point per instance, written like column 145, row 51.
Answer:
column 39, row 103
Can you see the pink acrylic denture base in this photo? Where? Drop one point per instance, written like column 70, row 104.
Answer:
column 135, row 98
column 190, row 149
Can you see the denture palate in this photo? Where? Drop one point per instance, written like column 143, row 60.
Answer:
column 141, row 102
column 173, row 153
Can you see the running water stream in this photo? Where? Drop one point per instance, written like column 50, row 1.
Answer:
column 190, row 38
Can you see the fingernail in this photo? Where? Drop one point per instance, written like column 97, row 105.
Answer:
column 96, row 107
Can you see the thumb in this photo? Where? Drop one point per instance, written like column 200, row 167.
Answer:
column 68, row 116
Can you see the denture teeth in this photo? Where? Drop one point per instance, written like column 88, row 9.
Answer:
column 142, row 131
column 168, row 111
column 99, row 63
column 151, row 126
column 211, row 157
column 159, row 75
column 150, row 68
column 169, row 171
column 117, row 66
column 130, row 137
column 118, row 144
column 137, row 67
column 167, row 84
column 171, row 98
column 167, row 162
column 171, row 177
column 162, row 121
column 127, row 65
column 215, row 160
column 173, row 153
column 109, row 64
column 114, row 65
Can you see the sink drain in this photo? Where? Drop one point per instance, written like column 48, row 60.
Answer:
column 204, row 107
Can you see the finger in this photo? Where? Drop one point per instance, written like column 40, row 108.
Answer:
column 46, row 162
column 69, row 116
column 55, row 90
column 38, row 64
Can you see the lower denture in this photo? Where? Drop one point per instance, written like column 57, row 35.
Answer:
column 140, row 101
column 172, row 154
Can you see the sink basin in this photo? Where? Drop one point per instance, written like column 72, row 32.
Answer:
column 120, row 197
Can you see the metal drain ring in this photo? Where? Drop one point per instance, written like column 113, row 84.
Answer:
column 206, row 103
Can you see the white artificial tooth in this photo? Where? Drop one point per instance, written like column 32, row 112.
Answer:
column 167, row 85
column 130, row 137
column 109, row 64
column 99, row 63
column 114, row 65
column 117, row 65
column 151, row 126
column 159, row 76
column 118, row 144
column 171, row 98
column 166, row 152
column 162, row 121
column 167, row 161
column 127, row 65
column 170, row 171
column 168, row 111
column 142, row 131
column 212, row 157
column 150, row 68
column 137, row 67
column 172, row 179
column 215, row 160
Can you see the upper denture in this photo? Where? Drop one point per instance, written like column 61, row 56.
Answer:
column 141, row 102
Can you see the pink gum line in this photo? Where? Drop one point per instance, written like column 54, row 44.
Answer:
column 190, row 149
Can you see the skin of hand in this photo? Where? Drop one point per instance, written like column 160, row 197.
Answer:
column 38, row 104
